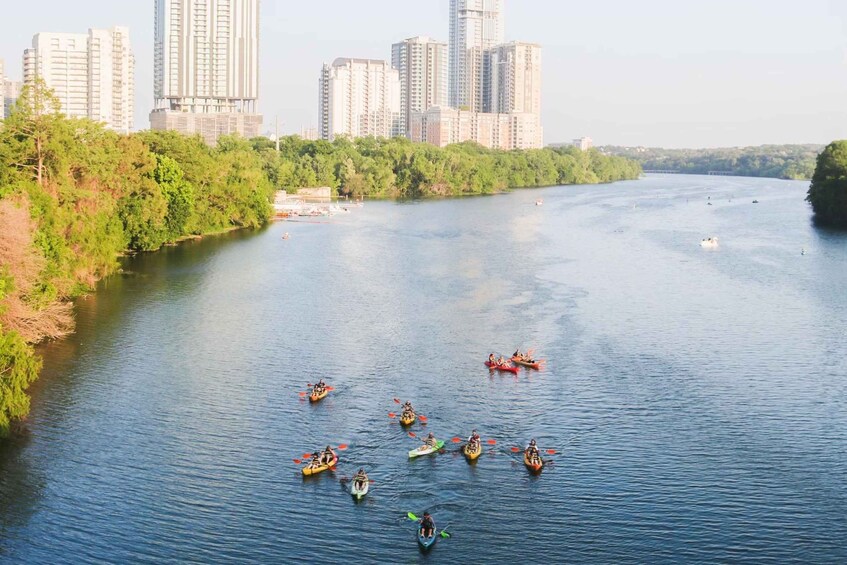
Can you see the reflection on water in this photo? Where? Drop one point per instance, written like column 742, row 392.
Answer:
column 696, row 396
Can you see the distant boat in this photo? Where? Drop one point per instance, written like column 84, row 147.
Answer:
column 803, row 251
column 709, row 242
column 755, row 202
column 286, row 236
column 539, row 202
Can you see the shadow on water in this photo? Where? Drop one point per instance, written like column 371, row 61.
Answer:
column 826, row 231
column 20, row 486
column 97, row 314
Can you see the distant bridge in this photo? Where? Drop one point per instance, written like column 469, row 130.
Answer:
column 662, row 171
column 722, row 173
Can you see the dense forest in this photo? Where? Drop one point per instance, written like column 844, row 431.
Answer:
column 75, row 197
column 778, row 161
column 828, row 191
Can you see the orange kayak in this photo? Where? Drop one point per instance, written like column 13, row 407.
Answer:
column 536, row 365
column 495, row 367
column 534, row 467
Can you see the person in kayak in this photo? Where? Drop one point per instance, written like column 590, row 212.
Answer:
column 316, row 461
column 327, row 456
column 502, row 361
column 518, row 355
column 430, row 440
column 473, row 441
column 407, row 408
column 532, row 451
column 427, row 526
column 360, row 479
column 492, row 359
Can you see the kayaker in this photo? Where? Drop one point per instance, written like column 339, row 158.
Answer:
column 501, row 361
column 328, row 455
column 492, row 359
column 360, row 479
column 316, row 460
column 427, row 526
column 473, row 438
column 430, row 440
column 531, row 450
column 518, row 355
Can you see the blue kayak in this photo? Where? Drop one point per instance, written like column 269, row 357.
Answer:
column 425, row 542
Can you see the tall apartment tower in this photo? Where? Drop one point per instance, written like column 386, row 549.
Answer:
column 475, row 26
column 206, row 59
column 359, row 98
column 422, row 64
column 92, row 75
column 513, row 78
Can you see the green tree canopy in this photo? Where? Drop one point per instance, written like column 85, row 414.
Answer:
column 828, row 191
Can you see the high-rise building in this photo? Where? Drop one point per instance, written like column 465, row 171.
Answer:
column 513, row 78
column 92, row 75
column 445, row 126
column 422, row 63
column 359, row 98
column 583, row 143
column 475, row 26
column 9, row 92
column 206, row 59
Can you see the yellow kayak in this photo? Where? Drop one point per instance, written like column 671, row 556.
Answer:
column 408, row 421
column 307, row 471
column 317, row 397
column 472, row 455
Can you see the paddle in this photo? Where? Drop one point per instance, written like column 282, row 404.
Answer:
column 397, row 401
column 444, row 533
column 392, row 415
column 412, row 517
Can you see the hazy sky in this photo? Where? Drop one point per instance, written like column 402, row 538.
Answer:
column 652, row 72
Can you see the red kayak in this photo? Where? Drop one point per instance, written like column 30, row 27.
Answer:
column 495, row 367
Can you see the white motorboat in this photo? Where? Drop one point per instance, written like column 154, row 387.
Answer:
column 709, row 242
column 539, row 202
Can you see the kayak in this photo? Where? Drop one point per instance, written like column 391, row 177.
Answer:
column 495, row 366
column 307, row 471
column 534, row 467
column 426, row 543
column 472, row 455
column 425, row 450
column 408, row 421
column 536, row 365
column 359, row 493
column 317, row 397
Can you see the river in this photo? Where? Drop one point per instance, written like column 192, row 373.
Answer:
column 696, row 397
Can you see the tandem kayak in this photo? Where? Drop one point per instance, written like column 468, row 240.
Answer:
column 317, row 397
column 534, row 467
column 359, row 493
column 496, row 367
column 472, row 455
column 307, row 471
column 426, row 542
column 536, row 365
column 408, row 421
column 425, row 450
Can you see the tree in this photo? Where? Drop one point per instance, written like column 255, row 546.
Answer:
column 828, row 191
column 36, row 131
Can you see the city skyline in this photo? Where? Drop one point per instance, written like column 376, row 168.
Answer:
column 724, row 75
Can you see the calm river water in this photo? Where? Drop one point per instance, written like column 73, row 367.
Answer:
column 698, row 397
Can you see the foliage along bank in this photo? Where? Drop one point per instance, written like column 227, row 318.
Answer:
column 793, row 162
column 828, row 191
column 398, row 168
column 75, row 196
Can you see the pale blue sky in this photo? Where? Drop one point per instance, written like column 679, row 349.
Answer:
column 652, row 72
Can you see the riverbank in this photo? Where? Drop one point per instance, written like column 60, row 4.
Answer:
column 74, row 197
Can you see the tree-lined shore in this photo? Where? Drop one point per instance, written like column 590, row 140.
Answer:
column 793, row 162
column 75, row 197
